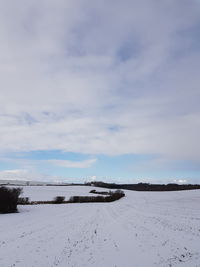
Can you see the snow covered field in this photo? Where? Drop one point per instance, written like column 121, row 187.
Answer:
column 143, row 229
column 50, row 192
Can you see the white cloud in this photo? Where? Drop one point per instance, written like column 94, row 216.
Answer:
column 31, row 175
column 36, row 176
column 180, row 181
column 15, row 174
column 72, row 164
column 85, row 77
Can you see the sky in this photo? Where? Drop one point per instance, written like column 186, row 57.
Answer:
column 100, row 90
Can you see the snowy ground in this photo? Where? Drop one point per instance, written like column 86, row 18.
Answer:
column 143, row 229
column 50, row 192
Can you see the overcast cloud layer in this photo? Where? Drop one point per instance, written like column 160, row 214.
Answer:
column 100, row 77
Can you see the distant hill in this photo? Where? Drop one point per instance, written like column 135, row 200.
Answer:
column 135, row 187
column 146, row 186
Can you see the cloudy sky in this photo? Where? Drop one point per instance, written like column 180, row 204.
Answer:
column 106, row 90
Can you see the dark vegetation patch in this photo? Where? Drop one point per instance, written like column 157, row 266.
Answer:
column 100, row 192
column 145, row 186
column 23, row 201
column 110, row 196
column 59, row 200
column 9, row 199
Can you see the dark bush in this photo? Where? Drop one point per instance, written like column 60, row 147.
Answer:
column 83, row 199
column 9, row 199
column 111, row 196
column 59, row 200
column 115, row 195
column 93, row 191
column 23, row 201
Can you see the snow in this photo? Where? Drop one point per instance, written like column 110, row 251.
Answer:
column 50, row 192
column 143, row 229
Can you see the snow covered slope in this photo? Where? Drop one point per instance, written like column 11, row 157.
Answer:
column 143, row 229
